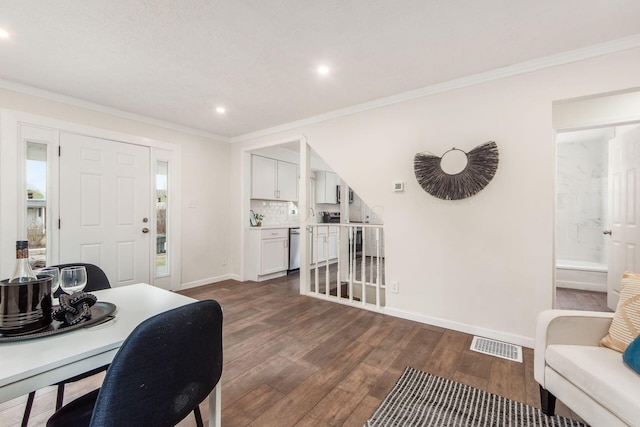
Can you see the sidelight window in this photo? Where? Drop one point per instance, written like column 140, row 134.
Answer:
column 162, row 205
column 36, row 195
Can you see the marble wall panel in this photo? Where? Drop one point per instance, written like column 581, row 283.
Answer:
column 582, row 200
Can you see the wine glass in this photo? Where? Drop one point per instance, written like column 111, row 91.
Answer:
column 54, row 272
column 73, row 279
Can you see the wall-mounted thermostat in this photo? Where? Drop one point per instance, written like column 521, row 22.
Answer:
column 398, row 186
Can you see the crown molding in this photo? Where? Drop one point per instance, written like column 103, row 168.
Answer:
column 69, row 100
column 588, row 52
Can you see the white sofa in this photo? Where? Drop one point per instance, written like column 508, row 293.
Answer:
column 591, row 380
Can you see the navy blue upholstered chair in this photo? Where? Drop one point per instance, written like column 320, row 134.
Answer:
column 96, row 280
column 168, row 365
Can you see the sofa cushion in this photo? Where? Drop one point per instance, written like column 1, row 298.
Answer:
column 631, row 355
column 625, row 326
column 600, row 373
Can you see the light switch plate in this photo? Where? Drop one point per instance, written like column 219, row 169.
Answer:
column 398, row 186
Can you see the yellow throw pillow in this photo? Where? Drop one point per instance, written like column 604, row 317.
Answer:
column 625, row 326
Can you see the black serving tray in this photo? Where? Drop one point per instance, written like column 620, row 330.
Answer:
column 100, row 312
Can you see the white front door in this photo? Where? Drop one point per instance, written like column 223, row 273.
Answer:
column 624, row 210
column 105, row 206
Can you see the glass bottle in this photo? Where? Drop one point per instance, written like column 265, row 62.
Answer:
column 22, row 272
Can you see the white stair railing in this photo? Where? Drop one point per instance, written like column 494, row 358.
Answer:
column 347, row 263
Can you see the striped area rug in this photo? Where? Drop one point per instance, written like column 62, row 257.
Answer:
column 421, row 399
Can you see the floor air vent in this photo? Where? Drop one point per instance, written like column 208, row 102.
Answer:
column 497, row 348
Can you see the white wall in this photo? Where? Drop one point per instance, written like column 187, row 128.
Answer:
column 592, row 111
column 206, row 211
column 483, row 264
column 205, row 181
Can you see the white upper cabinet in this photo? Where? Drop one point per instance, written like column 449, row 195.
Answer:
column 287, row 181
column 327, row 187
column 263, row 177
column 273, row 179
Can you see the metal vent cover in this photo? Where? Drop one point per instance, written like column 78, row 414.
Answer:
column 497, row 348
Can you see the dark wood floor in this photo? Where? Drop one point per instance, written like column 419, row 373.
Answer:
column 291, row 360
column 572, row 299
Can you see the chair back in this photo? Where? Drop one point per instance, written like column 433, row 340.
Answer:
column 96, row 278
column 167, row 366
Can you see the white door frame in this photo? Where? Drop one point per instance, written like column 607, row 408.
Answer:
column 12, row 212
column 597, row 111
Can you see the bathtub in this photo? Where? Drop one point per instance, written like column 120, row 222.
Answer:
column 588, row 276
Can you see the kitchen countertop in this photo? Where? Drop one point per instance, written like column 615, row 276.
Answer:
column 271, row 227
column 354, row 223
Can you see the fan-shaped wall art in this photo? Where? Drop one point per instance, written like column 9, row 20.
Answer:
column 481, row 166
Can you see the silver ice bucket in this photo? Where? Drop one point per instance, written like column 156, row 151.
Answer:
column 25, row 307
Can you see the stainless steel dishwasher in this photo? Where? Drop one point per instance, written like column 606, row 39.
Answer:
column 294, row 250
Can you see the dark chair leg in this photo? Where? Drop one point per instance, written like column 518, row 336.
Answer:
column 60, row 396
column 198, row 415
column 547, row 402
column 27, row 409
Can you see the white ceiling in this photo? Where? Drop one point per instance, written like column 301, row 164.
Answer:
column 176, row 60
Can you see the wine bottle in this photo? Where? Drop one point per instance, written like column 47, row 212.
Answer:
column 22, row 272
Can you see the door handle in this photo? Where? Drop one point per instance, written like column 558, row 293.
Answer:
column 145, row 230
column 607, row 232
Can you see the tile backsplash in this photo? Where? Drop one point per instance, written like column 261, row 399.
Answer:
column 276, row 212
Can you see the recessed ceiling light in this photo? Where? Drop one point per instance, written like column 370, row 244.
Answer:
column 4, row 34
column 323, row 70
column 221, row 110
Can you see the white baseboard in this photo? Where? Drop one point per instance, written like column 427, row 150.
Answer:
column 581, row 286
column 271, row 276
column 582, row 279
column 462, row 327
column 209, row 281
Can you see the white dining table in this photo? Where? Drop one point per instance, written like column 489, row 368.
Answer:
column 36, row 363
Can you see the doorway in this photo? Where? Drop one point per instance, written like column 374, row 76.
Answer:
column 104, row 206
column 595, row 214
column 581, row 216
column 129, row 185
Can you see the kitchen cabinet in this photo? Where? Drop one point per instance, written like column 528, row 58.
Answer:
column 332, row 238
column 287, row 181
column 274, row 251
column 325, row 246
column 273, row 179
column 370, row 244
column 327, row 187
column 371, row 217
column 266, row 253
column 355, row 209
